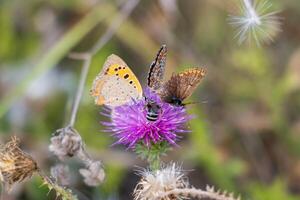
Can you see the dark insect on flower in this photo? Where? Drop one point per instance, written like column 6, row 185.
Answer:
column 181, row 85
column 130, row 125
column 15, row 165
column 157, row 117
column 153, row 110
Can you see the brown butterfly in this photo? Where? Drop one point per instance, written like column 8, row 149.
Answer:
column 181, row 86
column 155, row 81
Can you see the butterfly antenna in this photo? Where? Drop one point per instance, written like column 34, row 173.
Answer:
column 194, row 102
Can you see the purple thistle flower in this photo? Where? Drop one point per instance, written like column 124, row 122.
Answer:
column 130, row 125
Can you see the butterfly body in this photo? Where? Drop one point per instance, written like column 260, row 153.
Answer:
column 175, row 101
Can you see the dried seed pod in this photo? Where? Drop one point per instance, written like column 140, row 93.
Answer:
column 15, row 164
column 65, row 142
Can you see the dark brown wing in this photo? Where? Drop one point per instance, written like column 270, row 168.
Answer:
column 157, row 69
column 182, row 85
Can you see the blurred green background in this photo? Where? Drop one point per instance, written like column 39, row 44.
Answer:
column 246, row 136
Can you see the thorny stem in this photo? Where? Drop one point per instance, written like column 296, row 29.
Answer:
column 62, row 192
column 152, row 154
column 197, row 194
column 154, row 160
column 124, row 13
column 154, row 163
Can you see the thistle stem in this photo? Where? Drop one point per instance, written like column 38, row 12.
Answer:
column 198, row 194
column 152, row 153
column 83, row 75
column 154, row 163
column 62, row 192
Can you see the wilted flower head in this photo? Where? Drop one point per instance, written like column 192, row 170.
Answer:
column 256, row 21
column 93, row 174
column 130, row 125
column 15, row 165
column 155, row 183
column 65, row 142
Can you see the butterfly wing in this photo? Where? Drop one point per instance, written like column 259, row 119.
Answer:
column 116, row 84
column 157, row 69
column 182, row 85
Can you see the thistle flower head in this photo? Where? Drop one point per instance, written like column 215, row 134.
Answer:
column 256, row 21
column 155, row 183
column 15, row 165
column 130, row 125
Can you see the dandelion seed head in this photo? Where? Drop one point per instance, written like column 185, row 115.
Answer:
column 155, row 183
column 129, row 123
column 256, row 22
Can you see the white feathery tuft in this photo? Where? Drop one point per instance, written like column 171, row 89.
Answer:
column 256, row 21
column 154, row 183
